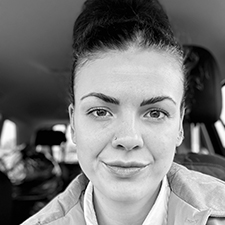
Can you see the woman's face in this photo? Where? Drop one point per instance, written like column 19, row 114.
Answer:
column 126, row 121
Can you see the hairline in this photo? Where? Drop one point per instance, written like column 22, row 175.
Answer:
column 89, row 56
column 98, row 53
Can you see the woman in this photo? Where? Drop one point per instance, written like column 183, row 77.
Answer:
column 128, row 91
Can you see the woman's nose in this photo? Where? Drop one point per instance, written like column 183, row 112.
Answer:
column 128, row 136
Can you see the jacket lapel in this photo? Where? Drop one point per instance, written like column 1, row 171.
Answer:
column 183, row 213
column 194, row 197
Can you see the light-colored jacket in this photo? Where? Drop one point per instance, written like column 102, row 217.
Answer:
column 195, row 199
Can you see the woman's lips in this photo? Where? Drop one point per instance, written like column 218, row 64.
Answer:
column 125, row 170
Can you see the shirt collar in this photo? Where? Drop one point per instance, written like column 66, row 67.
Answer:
column 89, row 212
column 157, row 215
column 158, row 212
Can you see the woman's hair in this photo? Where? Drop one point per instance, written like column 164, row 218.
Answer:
column 117, row 24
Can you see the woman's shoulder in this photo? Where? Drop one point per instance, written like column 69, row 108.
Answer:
column 66, row 208
column 197, row 189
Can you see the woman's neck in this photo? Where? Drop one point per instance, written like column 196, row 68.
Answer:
column 111, row 212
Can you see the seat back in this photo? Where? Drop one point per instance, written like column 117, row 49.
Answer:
column 213, row 165
column 5, row 199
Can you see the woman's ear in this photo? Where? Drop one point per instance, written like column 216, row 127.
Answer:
column 72, row 122
column 180, row 136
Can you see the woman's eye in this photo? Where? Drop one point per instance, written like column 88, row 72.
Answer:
column 156, row 114
column 100, row 113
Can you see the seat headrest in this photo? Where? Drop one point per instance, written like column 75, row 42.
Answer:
column 204, row 95
column 49, row 137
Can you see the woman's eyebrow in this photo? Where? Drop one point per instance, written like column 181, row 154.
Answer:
column 156, row 99
column 103, row 97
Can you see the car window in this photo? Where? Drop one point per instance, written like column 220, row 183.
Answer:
column 69, row 155
column 220, row 124
column 223, row 109
column 8, row 135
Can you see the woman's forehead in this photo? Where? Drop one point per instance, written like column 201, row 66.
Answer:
column 169, row 52
column 129, row 72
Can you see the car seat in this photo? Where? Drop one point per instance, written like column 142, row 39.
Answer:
column 200, row 150
column 5, row 199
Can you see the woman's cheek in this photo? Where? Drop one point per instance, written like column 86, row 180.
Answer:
column 91, row 141
column 162, row 146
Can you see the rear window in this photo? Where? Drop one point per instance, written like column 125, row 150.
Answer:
column 220, row 124
column 8, row 135
column 69, row 155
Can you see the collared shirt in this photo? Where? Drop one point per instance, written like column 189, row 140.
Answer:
column 156, row 216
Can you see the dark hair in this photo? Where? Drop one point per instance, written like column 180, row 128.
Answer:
column 116, row 24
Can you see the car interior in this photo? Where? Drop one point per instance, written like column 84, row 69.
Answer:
column 37, row 157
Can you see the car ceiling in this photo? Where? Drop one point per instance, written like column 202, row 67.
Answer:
column 35, row 51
